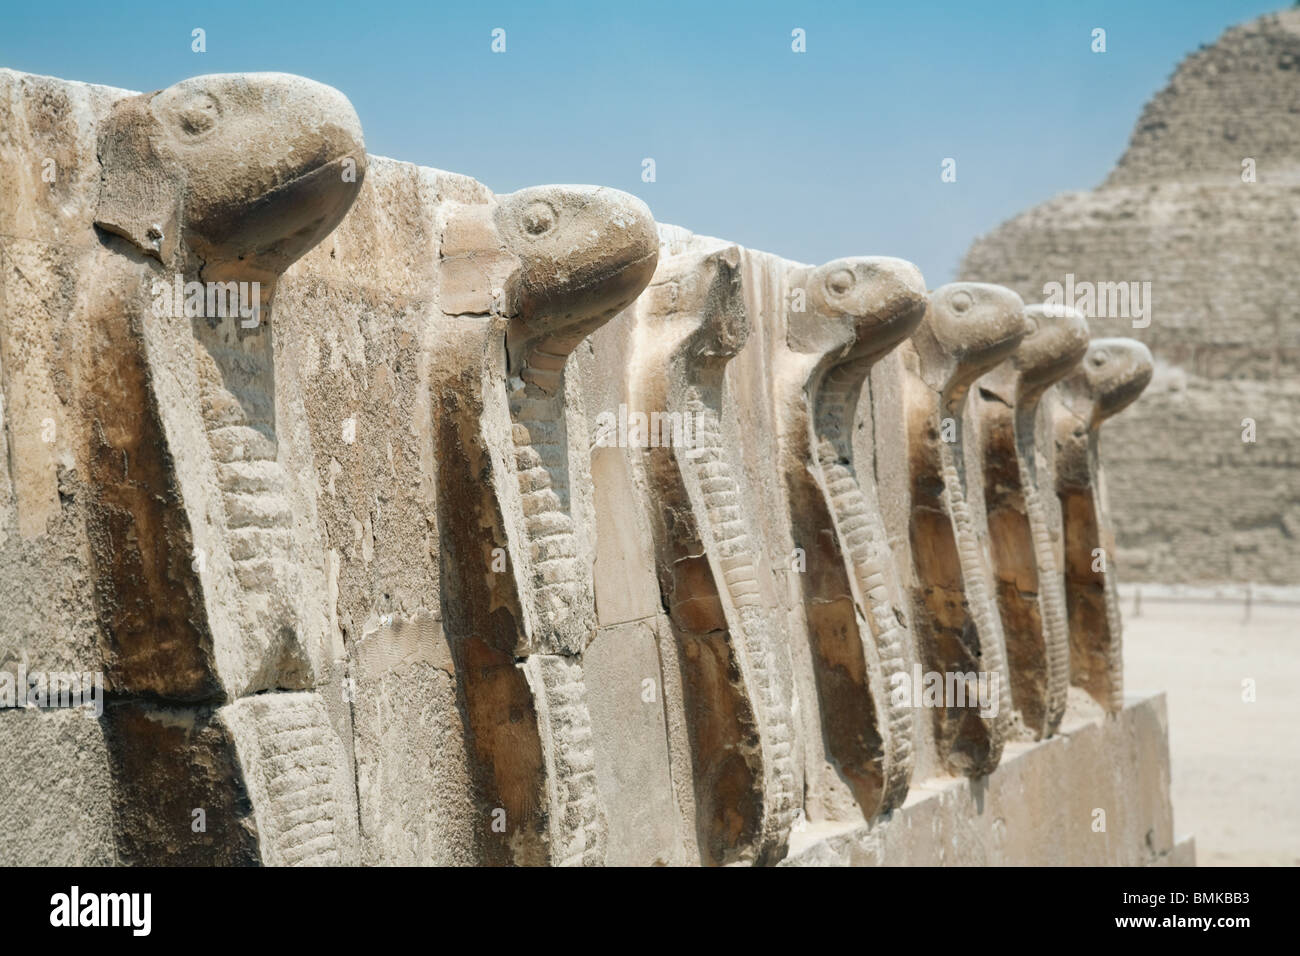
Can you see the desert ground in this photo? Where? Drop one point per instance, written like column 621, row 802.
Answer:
column 1236, row 763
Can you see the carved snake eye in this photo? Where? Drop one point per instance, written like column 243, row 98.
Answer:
column 1099, row 358
column 840, row 281
column 1031, row 325
column 198, row 114
column 961, row 301
column 539, row 218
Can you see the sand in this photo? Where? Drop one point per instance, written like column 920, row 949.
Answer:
column 1236, row 764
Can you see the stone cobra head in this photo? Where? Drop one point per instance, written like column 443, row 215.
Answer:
column 1056, row 338
column 969, row 328
column 242, row 171
column 698, row 306
column 856, row 308
column 1113, row 373
column 584, row 253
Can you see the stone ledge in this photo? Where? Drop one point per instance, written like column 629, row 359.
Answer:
column 1036, row 809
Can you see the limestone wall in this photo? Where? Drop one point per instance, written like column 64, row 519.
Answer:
column 370, row 580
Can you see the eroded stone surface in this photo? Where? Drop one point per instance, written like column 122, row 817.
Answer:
column 366, row 577
column 1024, row 522
column 1111, row 376
column 844, row 316
column 691, row 323
column 532, row 274
column 1035, row 809
column 968, row 329
column 191, row 532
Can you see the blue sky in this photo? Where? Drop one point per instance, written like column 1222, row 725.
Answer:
column 831, row 152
